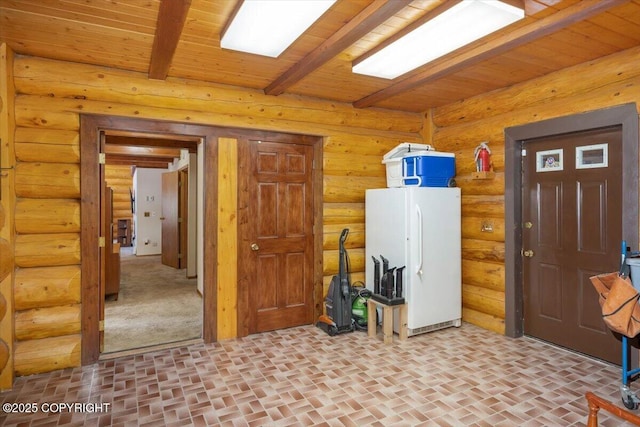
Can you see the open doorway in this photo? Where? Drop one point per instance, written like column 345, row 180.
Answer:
column 152, row 297
column 94, row 132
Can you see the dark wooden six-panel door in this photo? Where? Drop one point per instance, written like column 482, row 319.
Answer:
column 572, row 230
column 280, row 216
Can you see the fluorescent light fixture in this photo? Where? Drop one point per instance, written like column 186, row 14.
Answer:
column 268, row 27
column 463, row 23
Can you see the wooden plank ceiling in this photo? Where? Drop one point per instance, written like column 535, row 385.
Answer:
column 181, row 39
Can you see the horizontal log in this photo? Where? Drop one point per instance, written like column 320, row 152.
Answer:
column 483, row 206
column 350, row 189
column 118, row 172
column 343, row 213
column 330, row 261
column 49, row 136
column 44, row 250
column 332, row 232
column 33, row 75
column 541, row 91
column 616, row 93
column 47, row 354
column 483, row 274
column 350, row 165
column 6, row 259
column 46, row 286
column 368, row 145
column 36, row 216
column 483, row 320
column 482, row 250
column 472, row 228
column 47, row 180
column 41, row 112
column 47, row 322
column 483, row 300
column 36, row 152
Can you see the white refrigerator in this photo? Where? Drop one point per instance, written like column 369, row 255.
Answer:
column 419, row 228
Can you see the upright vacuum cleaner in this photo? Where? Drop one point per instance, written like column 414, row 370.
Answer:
column 337, row 319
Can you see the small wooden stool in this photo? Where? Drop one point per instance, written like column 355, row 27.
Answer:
column 387, row 320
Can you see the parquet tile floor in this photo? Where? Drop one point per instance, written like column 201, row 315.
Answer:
column 463, row 376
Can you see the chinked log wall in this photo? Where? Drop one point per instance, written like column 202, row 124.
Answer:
column 51, row 95
column 461, row 126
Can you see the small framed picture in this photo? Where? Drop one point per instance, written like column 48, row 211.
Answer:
column 592, row 156
column 549, row 160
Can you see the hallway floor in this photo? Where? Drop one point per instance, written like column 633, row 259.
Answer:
column 300, row 376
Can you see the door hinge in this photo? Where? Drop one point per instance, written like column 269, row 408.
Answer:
column 101, row 326
column 179, row 256
column 179, row 220
column 102, row 158
column 101, row 242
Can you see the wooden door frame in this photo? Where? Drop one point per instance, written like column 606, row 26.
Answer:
column 91, row 127
column 244, row 284
column 625, row 115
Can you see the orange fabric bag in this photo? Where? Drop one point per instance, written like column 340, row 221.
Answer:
column 619, row 302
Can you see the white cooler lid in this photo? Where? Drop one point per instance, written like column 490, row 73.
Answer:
column 404, row 149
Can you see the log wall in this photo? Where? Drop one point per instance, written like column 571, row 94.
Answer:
column 120, row 179
column 461, row 126
column 51, row 95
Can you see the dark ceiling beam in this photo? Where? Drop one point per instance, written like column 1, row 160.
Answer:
column 367, row 20
column 171, row 18
column 457, row 61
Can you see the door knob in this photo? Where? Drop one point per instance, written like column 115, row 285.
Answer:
column 528, row 253
column 255, row 247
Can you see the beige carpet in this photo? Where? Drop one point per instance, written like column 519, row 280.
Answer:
column 156, row 305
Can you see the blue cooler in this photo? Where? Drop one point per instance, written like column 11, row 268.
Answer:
column 430, row 169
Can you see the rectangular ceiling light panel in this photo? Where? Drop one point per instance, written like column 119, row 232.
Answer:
column 268, row 27
column 458, row 26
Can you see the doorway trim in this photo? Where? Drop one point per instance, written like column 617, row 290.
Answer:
column 625, row 115
column 91, row 127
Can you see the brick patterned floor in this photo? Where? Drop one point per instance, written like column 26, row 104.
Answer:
column 300, row 376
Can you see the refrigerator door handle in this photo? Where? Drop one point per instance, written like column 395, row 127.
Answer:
column 420, row 237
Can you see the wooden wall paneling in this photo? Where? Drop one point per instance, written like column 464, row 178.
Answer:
column 330, row 261
column 609, row 81
column 48, row 180
column 593, row 76
column 40, row 287
column 348, row 189
column 82, row 89
column 47, row 322
column 96, row 83
column 47, row 354
column 343, row 213
column 37, row 216
column 7, row 204
column 43, row 250
column 331, row 235
column 55, row 146
column 227, row 237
